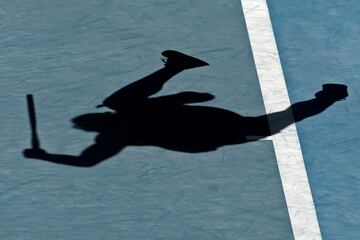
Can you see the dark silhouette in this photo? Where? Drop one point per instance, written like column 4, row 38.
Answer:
column 168, row 122
column 35, row 144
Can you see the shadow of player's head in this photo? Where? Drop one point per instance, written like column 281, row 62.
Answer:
column 94, row 122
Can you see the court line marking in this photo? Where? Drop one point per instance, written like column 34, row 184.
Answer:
column 289, row 157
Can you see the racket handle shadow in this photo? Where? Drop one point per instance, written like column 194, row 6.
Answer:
column 35, row 143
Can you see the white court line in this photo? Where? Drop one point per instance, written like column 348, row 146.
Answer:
column 290, row 161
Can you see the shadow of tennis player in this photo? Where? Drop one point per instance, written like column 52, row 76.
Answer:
column 168, row 122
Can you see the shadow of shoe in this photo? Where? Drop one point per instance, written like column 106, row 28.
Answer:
column 180, row 60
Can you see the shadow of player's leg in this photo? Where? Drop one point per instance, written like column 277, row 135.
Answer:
column 137, row 92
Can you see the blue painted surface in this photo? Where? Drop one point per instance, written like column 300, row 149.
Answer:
column 73, row 54
column 318, row 43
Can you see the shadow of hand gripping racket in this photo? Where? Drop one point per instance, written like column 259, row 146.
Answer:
column 35, row 150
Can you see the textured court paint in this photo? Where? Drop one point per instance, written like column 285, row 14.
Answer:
column 287, row 148
column 71, row 55
column 318, row 43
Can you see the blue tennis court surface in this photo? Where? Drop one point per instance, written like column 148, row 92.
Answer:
column 71, row 55
column 318, row 43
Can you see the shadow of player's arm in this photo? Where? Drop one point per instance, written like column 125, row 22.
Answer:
column 90, row 157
